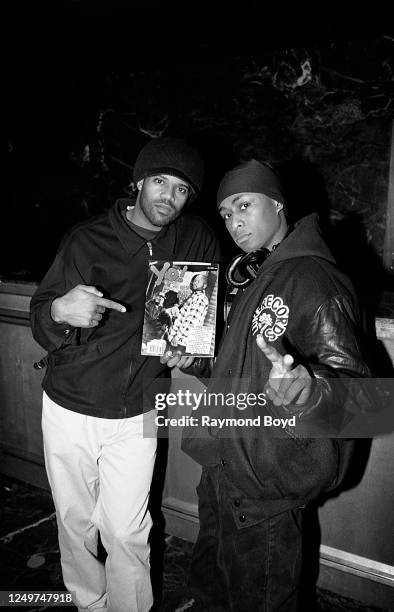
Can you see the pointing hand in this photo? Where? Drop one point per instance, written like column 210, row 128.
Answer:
column 82, row 306
column 286, row 384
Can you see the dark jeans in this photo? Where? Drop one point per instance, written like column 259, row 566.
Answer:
column 255, row 569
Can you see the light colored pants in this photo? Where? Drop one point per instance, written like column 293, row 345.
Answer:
column 100, row 472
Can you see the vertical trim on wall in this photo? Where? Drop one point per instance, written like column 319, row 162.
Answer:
column 388, row 250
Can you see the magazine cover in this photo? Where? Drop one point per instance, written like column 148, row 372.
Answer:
column 180, row 308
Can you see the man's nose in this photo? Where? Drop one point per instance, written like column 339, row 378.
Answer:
column 168, row 193
column 236, row 223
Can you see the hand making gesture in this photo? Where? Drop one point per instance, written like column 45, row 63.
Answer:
column 286, row 384
column 82, row 306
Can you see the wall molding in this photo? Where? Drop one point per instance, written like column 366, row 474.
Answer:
column 357, row 565
column 181, row 518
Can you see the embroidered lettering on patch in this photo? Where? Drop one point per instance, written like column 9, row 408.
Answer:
column 270, row 318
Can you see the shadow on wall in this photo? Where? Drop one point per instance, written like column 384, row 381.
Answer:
column 345, row 232
column 347, row 239
column 312, row 529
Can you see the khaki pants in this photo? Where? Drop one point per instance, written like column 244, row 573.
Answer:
column 100, row 473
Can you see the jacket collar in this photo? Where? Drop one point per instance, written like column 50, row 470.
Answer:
column 305, row 240
column 133, row 242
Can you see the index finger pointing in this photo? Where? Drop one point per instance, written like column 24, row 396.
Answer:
column 288, row 361
column 269, row 351
column 110, row 304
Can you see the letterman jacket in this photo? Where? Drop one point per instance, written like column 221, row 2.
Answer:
column 304, row 305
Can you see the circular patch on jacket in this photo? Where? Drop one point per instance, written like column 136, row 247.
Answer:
column 270, row 318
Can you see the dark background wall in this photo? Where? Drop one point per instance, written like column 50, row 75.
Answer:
column 86, row 84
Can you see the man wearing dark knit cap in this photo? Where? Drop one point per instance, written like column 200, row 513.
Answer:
column 292, row 303
column 88, row 314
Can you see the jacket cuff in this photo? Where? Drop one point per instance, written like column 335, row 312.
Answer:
column 200, row 368
column 56, row 331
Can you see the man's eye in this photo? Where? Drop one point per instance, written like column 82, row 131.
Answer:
column 159, row 181
column 183, row 190
column 226, row 216
column 244, row 205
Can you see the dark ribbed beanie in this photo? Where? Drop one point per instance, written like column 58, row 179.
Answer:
column 251, row 177
column 173, row 156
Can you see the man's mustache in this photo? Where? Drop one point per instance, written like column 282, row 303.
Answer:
column 165, row 203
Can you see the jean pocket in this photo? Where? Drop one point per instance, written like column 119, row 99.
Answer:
column 252, row 538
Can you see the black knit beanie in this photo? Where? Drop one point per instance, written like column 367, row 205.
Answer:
column 172, row 156
column 251, row 177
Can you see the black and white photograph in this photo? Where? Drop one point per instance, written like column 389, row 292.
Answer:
column 196, row 306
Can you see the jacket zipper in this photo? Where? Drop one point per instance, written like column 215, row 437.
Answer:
column 150, row 249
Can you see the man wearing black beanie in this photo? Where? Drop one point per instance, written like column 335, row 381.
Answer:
column 258, row 476
column 88, row 313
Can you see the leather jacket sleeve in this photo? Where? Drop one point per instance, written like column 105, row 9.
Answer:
column 332, row 348
column 200, row 368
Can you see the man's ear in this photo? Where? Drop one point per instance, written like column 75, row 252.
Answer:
column 278, row 206
column 139, row 184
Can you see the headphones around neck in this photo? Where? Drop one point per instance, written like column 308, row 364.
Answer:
column 242, row 270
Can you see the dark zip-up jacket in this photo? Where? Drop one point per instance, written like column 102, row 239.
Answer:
column 304, row 305
column 100, row 371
